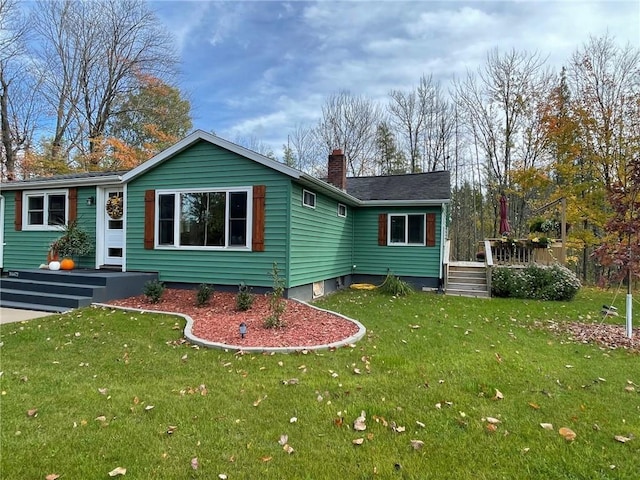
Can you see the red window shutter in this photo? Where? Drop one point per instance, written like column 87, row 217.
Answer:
column 17, row 221
column 73, row 205
column 382, row 229
column 259, row 197
column 431, row 229
column 149, row 218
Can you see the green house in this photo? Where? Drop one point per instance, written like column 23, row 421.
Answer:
column 209, row 211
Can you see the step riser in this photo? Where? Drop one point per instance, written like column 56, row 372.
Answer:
column 95, row 292
column 43, row 299
column 467, row 280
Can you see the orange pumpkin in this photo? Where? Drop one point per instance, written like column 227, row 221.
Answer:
column 67, row 264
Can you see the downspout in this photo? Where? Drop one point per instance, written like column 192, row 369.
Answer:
column 287, row 250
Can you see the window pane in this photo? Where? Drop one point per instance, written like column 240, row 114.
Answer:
column 56, row 210
column 35, row 210
column 238, row 218
column 309, row 199
column 36, row 218
column 397, row 229
column 193, row 218
column 416, row 229
column 36, row 203
column 215, row 231
column 166, row 219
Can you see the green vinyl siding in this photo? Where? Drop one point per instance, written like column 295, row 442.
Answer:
column 28, row 248
column 411, row 260
column 321, row 241
column 204, row 165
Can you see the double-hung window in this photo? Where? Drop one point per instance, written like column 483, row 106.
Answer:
column 212, row 218
column 406, row 229
column 45, row 210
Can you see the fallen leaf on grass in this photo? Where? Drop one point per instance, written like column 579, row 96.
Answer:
column 283, row 440
column 117, row 471
column 535, row 406
column 101, row 418
column 149, row 407
column 32, row 412
column 103, row 391
column 222, row 476
column 622, row 439
column 492, row 420
column 491, row 427
column 630, row 388
column 547, row 426
column 194, row 463
column 293, row 419
column 266, row 459
column 171, row 429
column 498, row 395
column 259, row 401
column 568, row 434
column 359, row 424
column 288, row 448
column 52, row 476
column 417, row 444
column 358, row 441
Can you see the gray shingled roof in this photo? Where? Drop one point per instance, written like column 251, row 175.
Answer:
column 415, row 186
column 66, row 176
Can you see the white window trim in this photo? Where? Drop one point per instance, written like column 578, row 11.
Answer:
column 39, row 193
column 313, row 195
column 406, row 230
column 176, row 213
column 345, row 210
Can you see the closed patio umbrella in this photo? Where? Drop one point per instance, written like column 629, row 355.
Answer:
column 505, row 229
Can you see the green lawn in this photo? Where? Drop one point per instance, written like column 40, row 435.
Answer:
column 431, row 368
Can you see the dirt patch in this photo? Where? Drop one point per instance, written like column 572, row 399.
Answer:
column 219, row 321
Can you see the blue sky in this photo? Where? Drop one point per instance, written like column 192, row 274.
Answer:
column 260, row 68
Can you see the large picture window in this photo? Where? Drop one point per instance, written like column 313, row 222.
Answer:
column 204, row 219
column 407, row 229
column 45, row 210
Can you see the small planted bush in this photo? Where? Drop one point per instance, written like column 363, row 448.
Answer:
column 537, row 282
column 244, row 298
column 395, row 286
column 203, row 294
column 153, row 290
column 277, row 304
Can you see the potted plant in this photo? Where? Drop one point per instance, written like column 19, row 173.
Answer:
column 75, row 242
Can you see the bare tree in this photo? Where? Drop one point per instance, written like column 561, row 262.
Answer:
column 439, row 122
column 307, row 150
column 92, row 52
column 406, row 114
column 349, row 122
column 13, row 28
column 500, row 104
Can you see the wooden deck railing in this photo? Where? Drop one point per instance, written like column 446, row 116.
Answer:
column 521, row 252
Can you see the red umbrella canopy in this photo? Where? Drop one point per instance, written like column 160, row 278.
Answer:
column 504, row 213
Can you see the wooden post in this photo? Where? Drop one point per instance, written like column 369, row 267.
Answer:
column 563, row 231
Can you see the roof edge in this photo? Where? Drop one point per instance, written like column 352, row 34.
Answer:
column 63, row 182
column 198, row 135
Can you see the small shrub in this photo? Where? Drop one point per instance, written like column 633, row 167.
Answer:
column 395, row 286
column 244, row 298
column 537, row 282
column 153, row 290
column 277, row 304
column 203, row 294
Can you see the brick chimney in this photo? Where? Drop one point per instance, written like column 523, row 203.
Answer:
column 337, row 169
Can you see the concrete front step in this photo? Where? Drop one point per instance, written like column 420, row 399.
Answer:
column 64, row 302
column 34, row 306
column 65, row 290
column 97, row 292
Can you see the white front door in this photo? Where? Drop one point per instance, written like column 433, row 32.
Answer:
column 113, row 211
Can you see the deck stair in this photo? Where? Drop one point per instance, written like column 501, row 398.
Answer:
column 60, row 291
column 468, row 279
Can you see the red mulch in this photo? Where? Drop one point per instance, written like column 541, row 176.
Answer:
column 219, row 321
